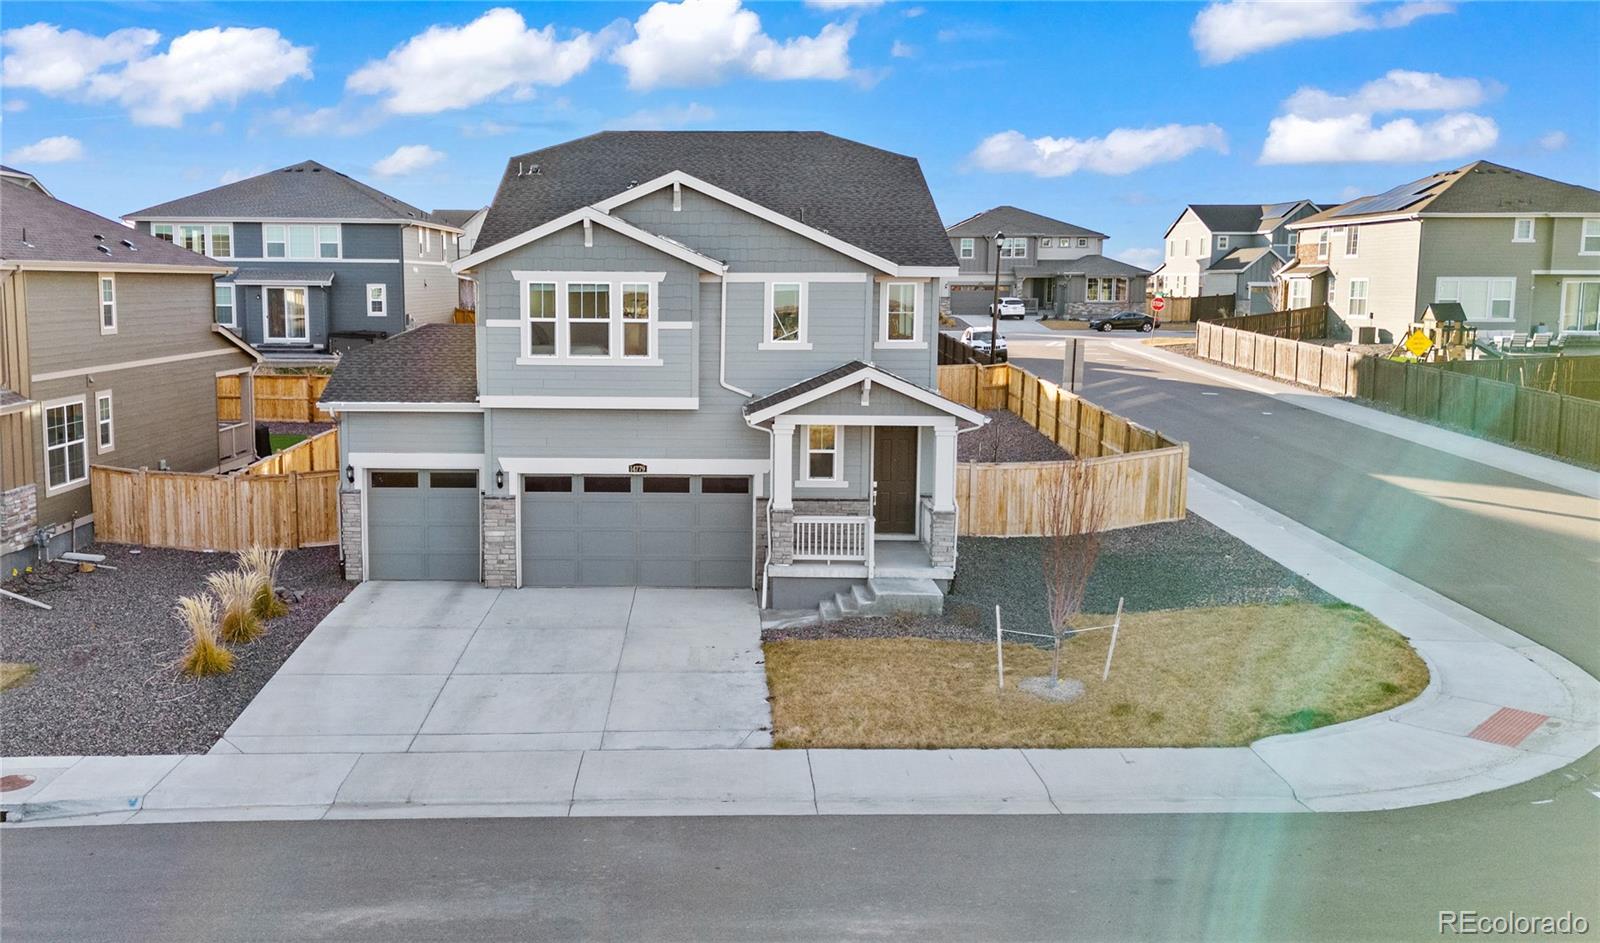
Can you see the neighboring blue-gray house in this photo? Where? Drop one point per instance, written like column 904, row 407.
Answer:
column 1054, row 266
column 700, row 359
column 324, row 262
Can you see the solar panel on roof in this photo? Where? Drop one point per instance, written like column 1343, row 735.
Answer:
column 1397, row 198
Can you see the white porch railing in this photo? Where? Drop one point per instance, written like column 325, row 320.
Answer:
column 833, row 538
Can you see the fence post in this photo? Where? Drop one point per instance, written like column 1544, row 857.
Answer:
column 294, row 493
column 141, row 487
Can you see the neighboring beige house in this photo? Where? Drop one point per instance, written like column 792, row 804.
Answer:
column 108, row 355
column 1520, row 252
column 1229, row 249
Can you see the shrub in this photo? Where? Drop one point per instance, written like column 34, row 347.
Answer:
column 262, row 565
column 234, row 589
column 206, row 655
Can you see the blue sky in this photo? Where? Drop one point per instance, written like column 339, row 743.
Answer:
column 1111, row 116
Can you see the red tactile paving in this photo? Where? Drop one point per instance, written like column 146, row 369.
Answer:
column 1508, row 726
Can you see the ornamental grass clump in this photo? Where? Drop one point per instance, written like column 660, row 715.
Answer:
column 234, row 589
column 206, row 654
column 262, row 565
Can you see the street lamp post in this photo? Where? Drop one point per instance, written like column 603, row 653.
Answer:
column 994, row 307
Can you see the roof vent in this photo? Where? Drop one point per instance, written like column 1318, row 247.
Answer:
column 130, row 245
column 99, row 238
column 25, row 238
column 104, row 249
column 316, row 170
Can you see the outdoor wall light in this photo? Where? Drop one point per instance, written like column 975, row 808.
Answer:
column 500, row 478
column 350, row 474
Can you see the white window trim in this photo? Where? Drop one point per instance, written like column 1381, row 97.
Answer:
column 1583, row 233
column 233, row 304
column 1561, row 311
column 918, row 339
column 100, row 302
column 316, row 243
column 1352, row 233
column 804, row 479
column 768, row 317
column 1008, row 252
column 1324, row 239
column 1222, row 242
column 614, row 282
column 382, row 299
column 266, row 318
column 44, row 431
column 1533, row 235
column 1511, row 314
column 1366, row 296
column 969, row 248
column 110, row 423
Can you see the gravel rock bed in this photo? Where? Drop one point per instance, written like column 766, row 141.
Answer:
column 1183, row 565
column 107, row 681
column 1007, row 438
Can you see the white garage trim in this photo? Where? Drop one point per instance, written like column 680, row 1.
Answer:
column 731, row 467
column 412, row 461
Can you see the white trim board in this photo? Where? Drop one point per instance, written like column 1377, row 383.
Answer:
column 889, row 381
column 132, row 364
column 589, row 402
column 339, row 407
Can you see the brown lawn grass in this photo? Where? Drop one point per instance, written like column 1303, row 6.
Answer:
column 1182, row 677
column 13, row 673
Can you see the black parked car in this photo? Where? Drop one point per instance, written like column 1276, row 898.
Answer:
column 1125, row 321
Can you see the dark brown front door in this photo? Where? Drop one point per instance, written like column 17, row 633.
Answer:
column 894, row 469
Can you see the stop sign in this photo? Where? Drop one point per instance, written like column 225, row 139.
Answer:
column 1158, row 303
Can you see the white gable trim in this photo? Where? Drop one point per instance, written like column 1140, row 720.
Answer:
column 681, row 179
column 591, row 215
column 888, row 381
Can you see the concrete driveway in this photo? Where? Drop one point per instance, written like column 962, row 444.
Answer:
column 454, row 667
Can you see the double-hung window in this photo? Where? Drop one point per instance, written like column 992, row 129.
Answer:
column 1013, row 248
column 541, row 319
column 821, row 455
column 786, row 316
column 588, row 319
column 969, row 248
column 1358, row 298
column 1299, row 293
column 300, row 241
column 224, row 305
column 377, row 300
column 1589, row 244
column 1082, row 243
column 108, row 304
column 65, row 445
column 1482, row 299
column 213, row 239
column 1522, row 230
column 1352, row 241
column 1106, row 289
column 635, row 319
column 1222, row 242
column 285, row 316
column 901, row 315
column 1322, row 244
column 105, row 436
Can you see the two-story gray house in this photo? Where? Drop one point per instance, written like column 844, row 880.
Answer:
column 323, row 261
column 1057, row 266
column 700, row 359
column 1230, row 249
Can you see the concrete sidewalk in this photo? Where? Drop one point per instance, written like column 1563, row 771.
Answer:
column 1498, row 710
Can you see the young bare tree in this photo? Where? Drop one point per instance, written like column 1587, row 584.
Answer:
column 1074, row 515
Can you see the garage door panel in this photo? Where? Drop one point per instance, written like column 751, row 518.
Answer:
column 604, row 572
column 731, row 573
column 615, row 544
column 667, row 573
column 418, row 532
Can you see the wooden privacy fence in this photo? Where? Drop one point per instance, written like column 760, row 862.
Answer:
column 1140, row 472
column 1571, row 376
column 1296, row 323
column 230, row 398
column 1203, row 308
column 318, row 453
column 290, row 397
column 1556, row 424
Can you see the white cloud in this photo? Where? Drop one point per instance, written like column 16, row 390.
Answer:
column 902, row 50
column 236, row 174
column 1398, row 90
column 49, row 151
column 1292, row 139
column 407, row 159
column 1225, row 31
column 198, row 70
column 447, row 67
column 1553, row 140
column 699, row 42
column 1120, row 152
column 486, row 129
column 669, row 116
column 1320, row 127
column 56, row 61
column 912, row 13
column 1142, row 257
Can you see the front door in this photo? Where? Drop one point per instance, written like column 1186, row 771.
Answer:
column 894, row 469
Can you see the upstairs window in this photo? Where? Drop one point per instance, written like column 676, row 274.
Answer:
column 541, row 319
column 969, row 248
column 1047, row 242
column 901, row 324
column 65, row 446
column 1222, row 242
column 1322, row 244
column 1083, row 242
column 108, row 304
column 786, row 316
column 213, row 239
column 224, row 305
column 589, row 319
column 377, row 300
column 635, row 319
column 1013, row 248
column 1590, row 243
column 1352, row 241
column 300, row 241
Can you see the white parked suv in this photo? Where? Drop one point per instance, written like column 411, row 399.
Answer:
column 1012, row 308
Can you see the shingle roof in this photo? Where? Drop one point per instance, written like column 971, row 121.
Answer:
column 307, row 190
column 254, row 275
column 1095, row 265
column 1239, row 259
column 10, row 399
column 1478, row 187
column 456, row 218
column 435, row 363
column 804, row 386
column 61, row 232
column 871, row 198
column 1229, row 217
column 1017, row 222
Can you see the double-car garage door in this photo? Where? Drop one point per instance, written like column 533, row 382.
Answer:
column 636, row 530
column 424, row 525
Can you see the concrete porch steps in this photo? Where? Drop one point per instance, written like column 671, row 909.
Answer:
column 882, row 596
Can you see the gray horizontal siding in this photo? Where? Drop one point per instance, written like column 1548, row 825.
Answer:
column 157, row 316
column 746, row 243
column 412, row 432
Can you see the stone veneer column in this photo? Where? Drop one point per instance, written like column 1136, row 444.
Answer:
column 19, row 518
column 500, row 541
column 350, row 534
column 782, row 536
column 942, row 542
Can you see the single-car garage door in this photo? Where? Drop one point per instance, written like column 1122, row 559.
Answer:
column 639, row 530
column 423, row 525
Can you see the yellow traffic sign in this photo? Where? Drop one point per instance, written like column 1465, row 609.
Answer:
column 1418, row 343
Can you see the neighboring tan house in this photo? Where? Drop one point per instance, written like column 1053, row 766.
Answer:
column 1229, row 249
column 324, row 262
column 700, row 359
column 1519, row 253
column 469, row 222
column 1055, row 265
column 108, row 355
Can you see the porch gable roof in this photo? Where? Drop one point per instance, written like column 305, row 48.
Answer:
column 847, row 375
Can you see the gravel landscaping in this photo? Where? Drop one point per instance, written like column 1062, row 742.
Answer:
column 106, row 655
column 1183, row 565
column 1007, row 438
